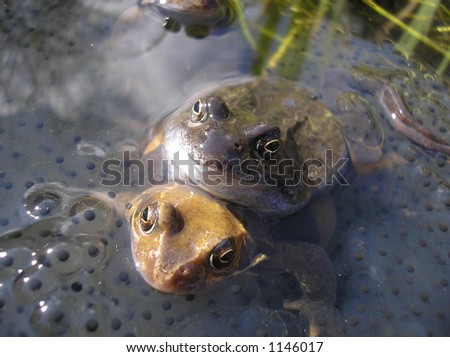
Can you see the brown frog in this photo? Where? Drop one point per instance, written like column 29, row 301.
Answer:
column 184, row 241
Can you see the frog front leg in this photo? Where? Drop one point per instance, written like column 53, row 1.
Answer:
column 310, row 265
column 358, row 122
column 323, row 319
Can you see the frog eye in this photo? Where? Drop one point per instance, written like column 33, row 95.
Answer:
column 268, row 144
column 149, row 218
column 199, row 112
column 213, row 107
column 222, row 255
column 218, row 109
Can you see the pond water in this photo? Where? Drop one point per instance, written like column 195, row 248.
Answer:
column 80, row 82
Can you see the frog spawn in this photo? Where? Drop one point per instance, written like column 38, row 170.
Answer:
column 391, row 248
column 384, row 250
column 71, row 272
column 61, row 271
column 137, row 310
column 394, row 277
column 79, row 284
column 52, row 303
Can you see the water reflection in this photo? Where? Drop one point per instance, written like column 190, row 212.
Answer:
column 66, row 86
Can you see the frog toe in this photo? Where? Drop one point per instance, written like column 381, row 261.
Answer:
column 322, row 319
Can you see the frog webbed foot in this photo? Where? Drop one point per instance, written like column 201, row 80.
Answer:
column 321, row 318
column 357, row 119
column 310, row 265
column 362, row 130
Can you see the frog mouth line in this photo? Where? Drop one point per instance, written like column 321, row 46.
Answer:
column 274, row 172
column 256, row 260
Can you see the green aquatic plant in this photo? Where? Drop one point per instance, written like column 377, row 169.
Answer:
column 288, row 25
column 285, row 35
column 267, row 34
column 425, row 23
column 237, row 10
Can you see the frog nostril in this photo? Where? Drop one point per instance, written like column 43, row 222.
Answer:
column 238, row 147
column 186, row 270
column 188, row 278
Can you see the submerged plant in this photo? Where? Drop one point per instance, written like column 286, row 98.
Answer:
column 429, row 25
column 289, row 25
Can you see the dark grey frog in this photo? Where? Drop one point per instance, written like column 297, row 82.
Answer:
column 263, row 143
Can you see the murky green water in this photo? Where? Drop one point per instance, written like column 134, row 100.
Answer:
column 75, row 90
